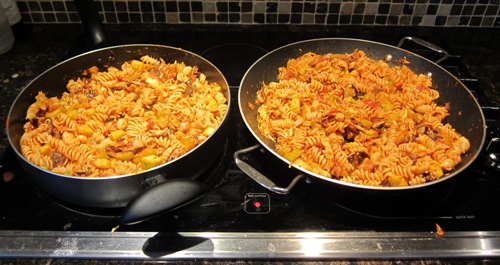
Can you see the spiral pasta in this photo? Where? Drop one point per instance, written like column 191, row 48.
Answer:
column 123, row 121
column 349, row 117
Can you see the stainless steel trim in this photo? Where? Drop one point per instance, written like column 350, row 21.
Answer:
column 240, row 245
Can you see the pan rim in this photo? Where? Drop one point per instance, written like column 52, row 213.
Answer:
column 225, row 86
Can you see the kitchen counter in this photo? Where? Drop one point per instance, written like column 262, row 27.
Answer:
column 40, row 46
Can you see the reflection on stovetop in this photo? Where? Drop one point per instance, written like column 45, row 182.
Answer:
column 235, row 203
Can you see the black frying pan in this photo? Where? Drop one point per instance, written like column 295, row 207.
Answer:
column 139, row 192
column 465, row 113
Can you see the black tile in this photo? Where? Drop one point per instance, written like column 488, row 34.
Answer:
column 408, row 9
column 357, row 19
column 464, row 21
column 160, row 18
column 297, row 7
column 431, row 10
column 185, row 17
column 334, row 8
column 35, row 6
column 184, row 7
column 440, row 21
column 210, row 17
column 135, row 17
column 147, row 17
column 222, row 6
column 467, row 10
column 58, row 6
column 384, row 8
column 283, row 18
column 171, row 6
column 109, row 7
column 456, row 10
column 196, row 6
column 246, row 7
column 381, row 20
column 234, row 7
column 37, row 17
column 133, row 6
column 491, row 10
column 272, row 7
column 110, row 17
column 345, row 19
column 320, row 19
column 158, row 6
column 479, row 10
column 321, row 8
column 259, row 18
column 332, row 19
column 475, row 21
column 309, row 7
column 62, row 17
column 49, row 17
column 234, row 18
column 146, row 6
column 123, row 17
column 70, row 6
column 369, row 19
column 120, row 6
column 73, row 17
column 271, row 18
column 359, row 8
column 47, row 6
column 26, row 17
column 23, row 7
column 296, row 18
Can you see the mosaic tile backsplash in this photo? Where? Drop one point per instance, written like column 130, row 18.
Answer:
column 440, row 13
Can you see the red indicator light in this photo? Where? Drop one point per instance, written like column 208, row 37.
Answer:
column 257, row 203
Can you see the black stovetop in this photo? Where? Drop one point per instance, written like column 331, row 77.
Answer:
column 235, row 203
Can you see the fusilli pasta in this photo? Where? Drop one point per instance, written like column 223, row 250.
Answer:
column 359, row 120
column 123, row 121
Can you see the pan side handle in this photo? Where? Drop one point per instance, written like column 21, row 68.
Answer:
column 259, row 177
column 92, row 24
column 428, row 45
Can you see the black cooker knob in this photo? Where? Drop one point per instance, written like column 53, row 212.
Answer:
column 493, row 154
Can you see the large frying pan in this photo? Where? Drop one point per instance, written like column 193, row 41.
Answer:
column 465, row 113
column 161, row 188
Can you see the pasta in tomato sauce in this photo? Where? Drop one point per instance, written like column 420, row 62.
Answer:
column 359, row 120
column 123, row 121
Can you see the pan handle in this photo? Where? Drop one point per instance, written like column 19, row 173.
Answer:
column 258, row 177
column 92, row 24
column 428, row 45
column 162, row 197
